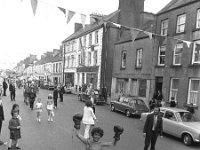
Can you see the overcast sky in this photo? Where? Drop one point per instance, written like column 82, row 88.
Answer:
column 22, row 33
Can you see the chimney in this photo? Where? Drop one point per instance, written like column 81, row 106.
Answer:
column 77, row 27
column 95, row 18
column 130, row 11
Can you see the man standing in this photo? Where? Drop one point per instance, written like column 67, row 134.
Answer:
column 153, row 126
column 1, row 119
column 12, row 91
column 55, row 96
column 32, row 96
column 5, row 86
column 61, row 92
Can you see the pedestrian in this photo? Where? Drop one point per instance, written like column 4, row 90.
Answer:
column 38, row 107
column 32, row 96
column 15, row 130
column 5, row 86
column 50, row 107
column 152, row 128
column 92, row 99
column 172, row 102
column 88, row 118
column 1, row 120
column 26, row 93
column 61, row 92
column 55, row 96
column 12, row 91
column 95, row 143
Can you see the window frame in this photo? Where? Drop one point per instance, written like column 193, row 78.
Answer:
column 164, row 29
column 159, row 55
column 89, row 58
column 176, row 90
column 123, row 62
column 194, row 51
column 97, row 37
column 138, row 59
column 95, row 56
column 189, row 91
column 90, row 39
column 198, row 19
column 175, row 55
column 179, row 25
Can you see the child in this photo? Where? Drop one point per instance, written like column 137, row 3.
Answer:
column 15, row 108
column 14, row 127
column 94, row 143
column 50, row 107
column 38, row 107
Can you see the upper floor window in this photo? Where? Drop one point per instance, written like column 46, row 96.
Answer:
column 181, row 23
column 164, row 27
column 89, row 58
column 79, row 59
column 139, row 58
column 161, row 55
column 193, row 91
column 198, row 19
column 123, row 59
column 178, row 54
column 174, row 88
column 84, row 40
column 72, row 61
column 90, row 39
column 196, row 52
column 95, row 57
column 96, row 37
column 80, row 44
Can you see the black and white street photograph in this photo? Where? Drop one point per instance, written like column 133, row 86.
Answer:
column 99, row 75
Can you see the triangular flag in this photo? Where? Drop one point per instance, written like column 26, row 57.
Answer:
column 34, row 5
column 149, row 34
column 70, row 15
column 187, row 42
column 160, row 39
column 83, row 19
column 63, row 10
column 134, row 34
column 117, row 25
column 105, row 25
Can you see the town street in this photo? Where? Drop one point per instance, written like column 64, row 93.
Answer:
column 58, row 135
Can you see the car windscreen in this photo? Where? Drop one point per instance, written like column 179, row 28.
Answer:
column 186, row 116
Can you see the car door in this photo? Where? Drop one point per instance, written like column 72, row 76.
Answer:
column 170, row 123
column 124, row 104
column 117, row 104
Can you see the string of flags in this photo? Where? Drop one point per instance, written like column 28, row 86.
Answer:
column 67, row 13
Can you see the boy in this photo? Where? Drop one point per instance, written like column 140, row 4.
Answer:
column 94, row 143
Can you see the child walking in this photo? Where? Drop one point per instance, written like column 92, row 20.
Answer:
column 95, row 143
column 15, row 132
column 50, row 107
column 38, row 107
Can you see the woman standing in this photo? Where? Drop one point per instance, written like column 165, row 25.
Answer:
column 88, row 118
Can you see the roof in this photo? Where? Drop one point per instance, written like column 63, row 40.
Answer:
column 91, row 27
column 174, row 4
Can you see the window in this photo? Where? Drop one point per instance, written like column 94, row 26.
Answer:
column 181, row 23
column 193, row 91
column 134, row 87
column 174, row 88
column 178, row 54
column 196, row 52
column 139, row 58
column 198, row 19
column 164, row 27
column 79, row 59
column 123, row 59
column 80, row 44
column 89, row 58
column 95, row 57
column 170, row 115
column 142, row 88
column 72, row 59
column 96, row 37
column 84, row 40
column 90, row 39
column 161, row 56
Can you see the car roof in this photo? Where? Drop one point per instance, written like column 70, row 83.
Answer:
column 174, row 109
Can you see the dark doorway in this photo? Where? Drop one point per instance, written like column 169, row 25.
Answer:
column 158, row 84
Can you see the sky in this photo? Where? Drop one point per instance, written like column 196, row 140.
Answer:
column 22, row 33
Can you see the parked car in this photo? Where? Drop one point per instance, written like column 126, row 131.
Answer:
column 129, row 105
column 179, row 123
column 68, row 90
column 98, row 98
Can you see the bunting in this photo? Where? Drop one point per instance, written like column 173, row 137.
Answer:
column 134, row 34
column 70, row 15
column 117, row 25
column 160, row 39
column 34, row 5
column 63, row 10
column 83, row 20
column 187, row 43
column 149, row 34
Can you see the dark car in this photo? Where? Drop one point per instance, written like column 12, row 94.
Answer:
column 129, row 105
column 98, row 98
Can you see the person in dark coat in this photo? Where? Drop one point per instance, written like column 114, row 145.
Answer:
column 5, row 86
column 55, row 96
column 1, row 119
column 152, row 128
column 12, row 91
column 61, row 92
column 32, row 96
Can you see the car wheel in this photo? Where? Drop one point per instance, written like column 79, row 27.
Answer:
column 128, row 114
column 112, row 108
column 187, row 139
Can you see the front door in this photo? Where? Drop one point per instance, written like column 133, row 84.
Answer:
column 158, row 84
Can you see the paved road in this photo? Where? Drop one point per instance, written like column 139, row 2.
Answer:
column 58, row 135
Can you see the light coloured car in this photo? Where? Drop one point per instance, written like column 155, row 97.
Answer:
column 179, row 123
column 68, row 90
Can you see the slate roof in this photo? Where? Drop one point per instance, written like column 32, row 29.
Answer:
column 90, row 27
column 174, row 4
